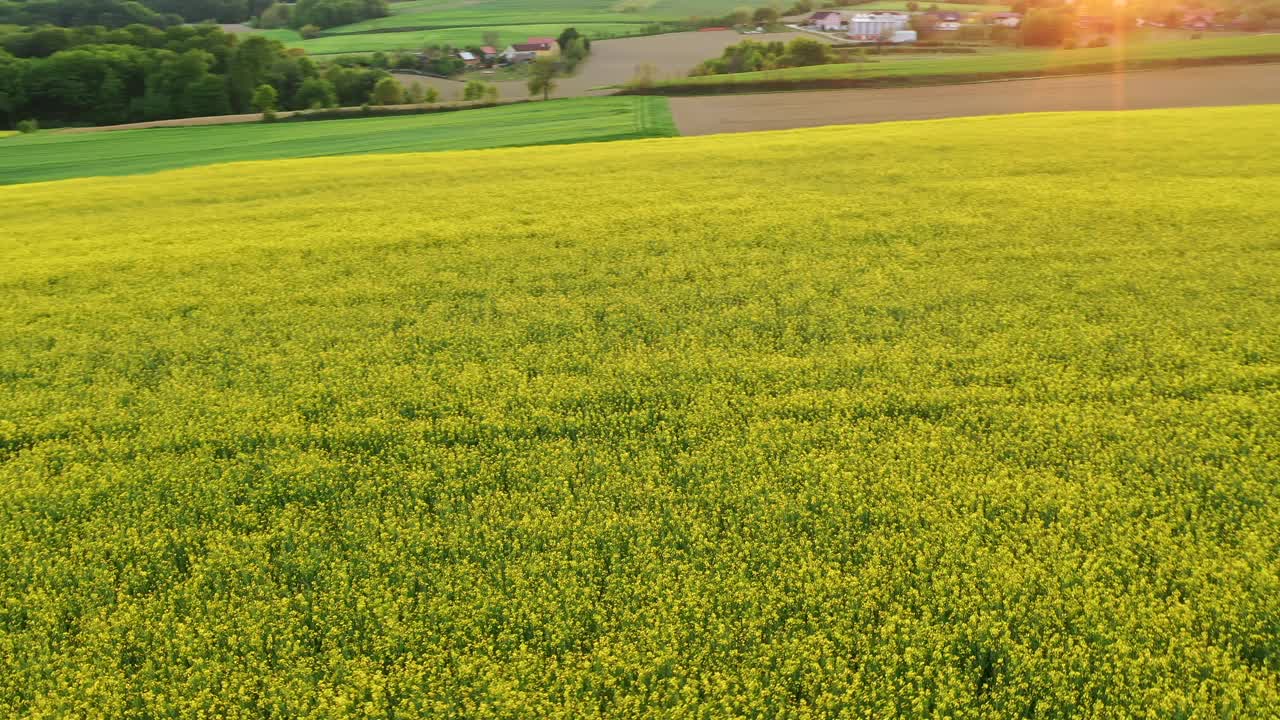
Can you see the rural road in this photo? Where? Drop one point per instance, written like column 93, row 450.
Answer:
column 1189, row 87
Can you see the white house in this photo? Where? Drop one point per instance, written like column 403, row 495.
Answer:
column 827, row 20
column 947, row 26
column 1009, row 19
column 871, row 25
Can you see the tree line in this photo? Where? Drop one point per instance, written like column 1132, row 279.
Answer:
column 167, row 13
column 100, row 76
column 750, row 56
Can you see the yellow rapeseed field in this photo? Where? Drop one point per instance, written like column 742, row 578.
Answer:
column 974, row 418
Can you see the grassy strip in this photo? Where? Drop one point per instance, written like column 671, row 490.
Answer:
column 905, row 71
column 126, row 152
column 388, row 41
column 891, row 81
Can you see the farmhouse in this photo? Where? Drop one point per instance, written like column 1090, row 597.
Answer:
column 489, row 52
column 827, row 20
column 528, row 51
column 468, row 58
column 871, row 25
column 1007, row 19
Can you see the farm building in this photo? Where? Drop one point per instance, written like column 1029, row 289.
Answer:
column 489, row 52
column 871, row 25
column 468, row 58
column 1007, row 19
column 827, row 20
column 528, row 51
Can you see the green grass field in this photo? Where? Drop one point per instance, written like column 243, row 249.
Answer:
column 777, row 425
column 1026, row 61
column 418, row 23
column 53, row 156
column 498, row 13
column 457, row 37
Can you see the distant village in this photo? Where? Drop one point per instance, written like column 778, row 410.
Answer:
column 905, row 27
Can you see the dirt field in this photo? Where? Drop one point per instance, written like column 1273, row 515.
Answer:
column 448, row 89
column 1190, row 87
column 613, row 62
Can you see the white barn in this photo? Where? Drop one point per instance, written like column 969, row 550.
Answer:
column 827, row 20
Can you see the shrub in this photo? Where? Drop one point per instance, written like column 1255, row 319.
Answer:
column 388, row 91
column 27, row 126
column 279, row 15
column 265, row 98
column 475, row 90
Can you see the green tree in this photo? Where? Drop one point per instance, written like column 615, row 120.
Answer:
column 208, row 96
column 575, row 52
column 12, row 90
column 431, row 96
column 740, row 16
column 765, row 16
column 542, row 77
column 569, row 36
column 278, row 15
column 330, row 13
column 414, row 94
column 264, row 98
column 250, row 63
column 113, row 104
column 315, row 93
column 388, row 91
column 804, row 51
